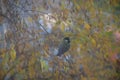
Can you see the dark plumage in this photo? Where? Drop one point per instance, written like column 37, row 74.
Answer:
column 64, row 46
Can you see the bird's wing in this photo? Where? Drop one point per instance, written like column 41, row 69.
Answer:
column 63, row 48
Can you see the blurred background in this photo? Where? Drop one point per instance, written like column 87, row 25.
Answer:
column 31, row 30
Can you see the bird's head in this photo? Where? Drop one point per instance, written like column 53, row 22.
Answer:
column 67, row 39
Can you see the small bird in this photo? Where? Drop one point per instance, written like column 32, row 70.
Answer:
column 64, row 46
